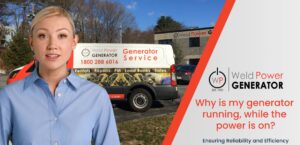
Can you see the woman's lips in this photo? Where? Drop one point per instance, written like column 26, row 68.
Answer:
column 52, row 57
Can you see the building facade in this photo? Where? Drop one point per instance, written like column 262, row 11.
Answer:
column 190, row 41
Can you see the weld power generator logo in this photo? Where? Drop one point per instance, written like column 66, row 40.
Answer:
column 217, row 79
column 246, row 80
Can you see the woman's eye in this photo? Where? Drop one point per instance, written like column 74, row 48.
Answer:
column 62, row 36
column 41, row 36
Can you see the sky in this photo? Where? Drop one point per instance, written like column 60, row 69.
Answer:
column 192, row 13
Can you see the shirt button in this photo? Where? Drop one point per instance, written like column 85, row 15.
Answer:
column 55, row 119
column 55, row 143
column 65, row 81
column 59, row 94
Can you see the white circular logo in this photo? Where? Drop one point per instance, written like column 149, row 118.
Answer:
column 85, row 52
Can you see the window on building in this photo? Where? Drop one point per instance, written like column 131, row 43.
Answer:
column 195, row 42
column 165, row 41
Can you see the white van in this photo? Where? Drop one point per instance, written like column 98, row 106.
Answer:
column 138, row 73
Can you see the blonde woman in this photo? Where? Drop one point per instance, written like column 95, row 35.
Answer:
column 53, row 106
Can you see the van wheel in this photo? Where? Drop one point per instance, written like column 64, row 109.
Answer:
column 140, row 100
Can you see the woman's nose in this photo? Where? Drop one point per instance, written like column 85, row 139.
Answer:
column 52, row 43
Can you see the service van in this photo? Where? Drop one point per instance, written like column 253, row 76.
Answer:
column 137, row 73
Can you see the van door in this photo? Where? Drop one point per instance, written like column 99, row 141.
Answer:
column 116, row 93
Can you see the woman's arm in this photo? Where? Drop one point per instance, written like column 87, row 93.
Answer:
column 5, row 118
column 105, row 130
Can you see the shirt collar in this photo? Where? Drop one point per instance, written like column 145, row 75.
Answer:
column 34, row 76
column 31, row 79
column 73, row 80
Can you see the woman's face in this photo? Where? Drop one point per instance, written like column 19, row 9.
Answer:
column 52, row 41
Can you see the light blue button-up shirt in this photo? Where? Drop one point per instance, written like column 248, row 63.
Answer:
column 79, row 113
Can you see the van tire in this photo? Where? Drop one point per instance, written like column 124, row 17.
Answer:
column 140, row 100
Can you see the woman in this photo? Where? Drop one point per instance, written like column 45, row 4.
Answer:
column 53, row 106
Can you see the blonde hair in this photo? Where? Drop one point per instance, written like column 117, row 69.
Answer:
column 49, row 12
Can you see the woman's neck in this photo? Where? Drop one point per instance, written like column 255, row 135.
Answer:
column 52, row 77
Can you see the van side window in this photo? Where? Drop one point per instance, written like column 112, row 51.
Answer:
column 13, row 74
column 31, row 68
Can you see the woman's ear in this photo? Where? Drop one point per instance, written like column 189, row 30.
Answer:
column 75, row 41
column 30, row 41
column 30, row 44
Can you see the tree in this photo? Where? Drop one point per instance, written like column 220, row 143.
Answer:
column 17, row 14
column 2, row 66
column 166, row 23
column 147, row 36
column 3, row 33
column 66, row 4
column 114, row 17
column 18, row 52
column 136, row 36
column 177, row 52
column 4, row 13
column 101, row 20
column 95, row 20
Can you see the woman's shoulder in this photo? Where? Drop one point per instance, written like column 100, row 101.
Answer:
column 15, row 86
column 92, row 91
column 88, row 85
